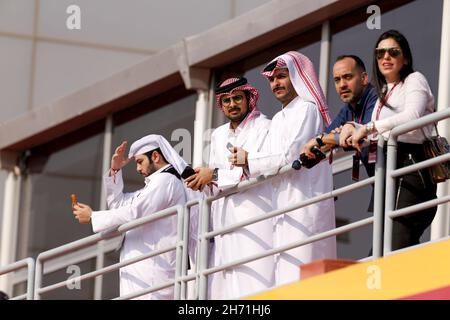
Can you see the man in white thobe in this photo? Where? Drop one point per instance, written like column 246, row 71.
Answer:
column 246, row 129
column 303, row 115
column 161, row 166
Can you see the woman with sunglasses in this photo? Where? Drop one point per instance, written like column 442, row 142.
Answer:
column 403, row 96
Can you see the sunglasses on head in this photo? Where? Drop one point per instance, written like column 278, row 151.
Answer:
column 393, row 52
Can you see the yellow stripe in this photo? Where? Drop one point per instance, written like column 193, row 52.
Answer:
column 403, row 274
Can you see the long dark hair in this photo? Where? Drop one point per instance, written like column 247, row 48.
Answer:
column 378, row 78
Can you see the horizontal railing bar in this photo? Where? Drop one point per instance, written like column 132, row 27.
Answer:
column 78, row 244
column 418, row 207
column 342, row 164
column 145, row 291
column 422, row 121
column 420, row 165
column 417, row 246
column 248, row 184
column 150, row 218
column 29, row 265
column 14, row 266
column 59, row 263
column 302, row 204
column 21, row 297
column 105, row 270
column 317, row 237
column 107, row 234
column 188, row 277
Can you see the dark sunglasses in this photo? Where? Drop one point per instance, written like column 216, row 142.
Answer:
column 393, row 52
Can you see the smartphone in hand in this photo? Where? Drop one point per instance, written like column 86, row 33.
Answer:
column 74, row 199
column 230, row 147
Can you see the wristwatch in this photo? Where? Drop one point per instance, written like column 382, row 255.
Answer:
column 370, row 127
column 215, row 175
column 319, row 140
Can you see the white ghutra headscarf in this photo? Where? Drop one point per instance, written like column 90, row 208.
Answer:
column 154, row 141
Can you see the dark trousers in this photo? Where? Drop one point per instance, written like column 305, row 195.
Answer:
column 412, row 188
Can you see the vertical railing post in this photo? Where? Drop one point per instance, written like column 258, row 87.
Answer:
column 30, row 278
column 38, row 278
column 390, row 194
column 378, row 202
column 204, row 245
column 325, row 45
column 100, row 261
column 179, row 251
column 441, row 222
column 185, row 257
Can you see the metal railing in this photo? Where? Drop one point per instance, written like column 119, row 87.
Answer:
column 381, row 242
column 29, row 264
column 205, row 235
column 179, row 246
column 392, row 173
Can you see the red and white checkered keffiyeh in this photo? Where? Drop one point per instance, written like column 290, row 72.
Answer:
column 253, row 94
column 303, row 78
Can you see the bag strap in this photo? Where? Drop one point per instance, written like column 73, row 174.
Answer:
column 435, row 127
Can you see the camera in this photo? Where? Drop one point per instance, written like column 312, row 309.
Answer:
column 309, row 162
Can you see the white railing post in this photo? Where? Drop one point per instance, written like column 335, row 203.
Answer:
column 325, row 45
column 441, row 223
column 179, row 251
column 378, row 201
column 100, row 260
column 204, row 249
column 10, row 221
column 201, row 125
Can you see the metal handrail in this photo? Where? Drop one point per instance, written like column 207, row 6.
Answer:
column 298, row 205
column 392, row 173
column 286, row 247
column 93, row 239
column 383, row 214
column 205, row 234
column 379, row 219
column 28, row 263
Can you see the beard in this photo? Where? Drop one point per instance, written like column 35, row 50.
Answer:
column 150, row 170
column 238, row 117
column 348, row 98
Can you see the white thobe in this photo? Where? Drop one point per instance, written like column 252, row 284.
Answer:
column 257, row 275
column 162, row 190
column 290, row 129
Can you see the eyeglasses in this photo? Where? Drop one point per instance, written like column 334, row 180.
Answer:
column 393, row 52
column 227, row 101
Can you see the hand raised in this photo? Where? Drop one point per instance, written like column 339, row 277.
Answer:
column 119, row 160
column 82, row 213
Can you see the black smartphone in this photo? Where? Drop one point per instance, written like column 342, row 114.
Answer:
column 309, row 162
column 230, row 147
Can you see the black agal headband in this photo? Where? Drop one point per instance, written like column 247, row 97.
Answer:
column 231, row 86
column 271, row 66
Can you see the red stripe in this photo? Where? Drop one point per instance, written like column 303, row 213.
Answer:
column 313, row 91
column 437, row 294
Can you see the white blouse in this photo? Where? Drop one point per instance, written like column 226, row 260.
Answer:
column 410, row 100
